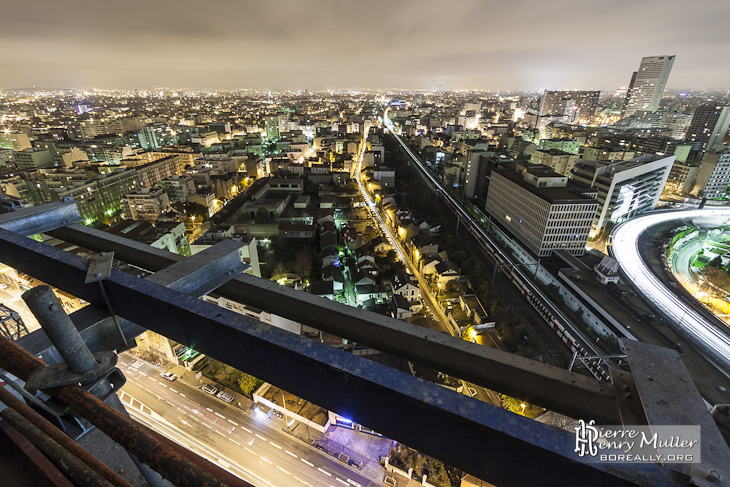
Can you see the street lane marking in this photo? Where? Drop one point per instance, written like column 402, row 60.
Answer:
column 354, row 483
column 302, row 481
column 266, row 459
column 173, row 390
column 324, row 472
column 209, row 409
column 142, row 373
column 275, row 445
column 342, row 481
column 245, row 429
column 163, row 385
column 168, row 402
column 234, row 441
column 207, row 425
column 224, row 436
column 260, row 436
column 151, row 378
column 183, row 395
column 290, row 453
column 310, row 464
column 220, row 415
column 250, row 450
column 196, row 419
column 231, row 421
column 283, row 470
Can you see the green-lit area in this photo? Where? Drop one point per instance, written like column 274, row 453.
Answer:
column 189, row 355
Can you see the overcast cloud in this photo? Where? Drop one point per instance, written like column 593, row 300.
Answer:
column 332, row 44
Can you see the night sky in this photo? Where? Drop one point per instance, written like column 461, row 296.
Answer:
column 343, row 44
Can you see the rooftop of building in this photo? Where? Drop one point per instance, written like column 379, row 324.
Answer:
column 554, row 152
column 570, row 193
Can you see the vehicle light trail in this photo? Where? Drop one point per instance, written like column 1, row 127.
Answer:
column 625, row 250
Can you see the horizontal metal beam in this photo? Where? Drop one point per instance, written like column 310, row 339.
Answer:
column 203, row 272
column 195, row 276
column 489, row 442
column 562, row 391
column 39, row 219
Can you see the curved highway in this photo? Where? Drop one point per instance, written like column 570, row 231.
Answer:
column 625, row 249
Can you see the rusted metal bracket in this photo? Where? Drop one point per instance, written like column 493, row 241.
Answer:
column 60, row 375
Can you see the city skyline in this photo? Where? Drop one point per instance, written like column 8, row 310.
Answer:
column 379, row 45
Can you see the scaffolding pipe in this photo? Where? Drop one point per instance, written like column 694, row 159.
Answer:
column 80, row 473
column 47, row 308
column 61, row 438
column 169, row 463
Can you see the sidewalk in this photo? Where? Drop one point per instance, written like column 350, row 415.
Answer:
column 363, row 451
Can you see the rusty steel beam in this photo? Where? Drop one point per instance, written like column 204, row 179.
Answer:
column 61, row 438
column 169, row 463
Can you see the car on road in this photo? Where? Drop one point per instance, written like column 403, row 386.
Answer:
column 169, row 376
column 225, row 396
column 209, row 389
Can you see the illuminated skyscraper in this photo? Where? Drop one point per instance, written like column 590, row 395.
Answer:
column 647, row 85
column 709, row 126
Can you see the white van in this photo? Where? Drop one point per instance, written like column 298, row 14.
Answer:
column 225, row 396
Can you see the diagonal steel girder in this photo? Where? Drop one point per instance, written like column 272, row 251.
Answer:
column 486, row 441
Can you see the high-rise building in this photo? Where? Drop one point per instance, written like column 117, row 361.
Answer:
column 571, row 106
column 713, row 177
column 272, row 127
column 647, row 85
column 624, row 189
column 709, row 126
column 541, row 208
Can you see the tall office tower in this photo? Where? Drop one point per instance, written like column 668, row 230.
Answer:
column 709, row 126
column 572, row 106
column 272, row 127
column 647, row 85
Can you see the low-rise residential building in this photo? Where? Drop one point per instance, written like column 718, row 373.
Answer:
column 403, row 285
column 446, row 271
column 681, row 179
column 178, row 188
column 607, row 154
column 561, row 162
column 146, row 205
